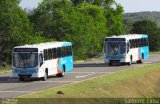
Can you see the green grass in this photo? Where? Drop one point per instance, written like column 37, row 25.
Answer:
column 5, row 69
column 89, row 59
column 156, row 52
column 139, row 82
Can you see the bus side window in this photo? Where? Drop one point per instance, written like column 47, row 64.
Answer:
column 136, row 42
column 67, row 51
column 54, row 52
column 143, row 42
column 147, row 42
column 59, row 52
column 63, row 52
column 71, row 50
column 128, row 45
column 45, row 54
column 41, row 59
column 139, row 41
column 49, row 54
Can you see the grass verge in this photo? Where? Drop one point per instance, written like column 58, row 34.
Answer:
column 139, row 82
column 5, row 69
column 156, row 52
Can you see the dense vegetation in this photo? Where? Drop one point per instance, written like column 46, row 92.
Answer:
column 83, row 22
column 144, row 23
column 152, row 16
column 15, row 29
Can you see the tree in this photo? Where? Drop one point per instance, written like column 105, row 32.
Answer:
column 13, row 22
column 15, row 28
column 76, row 2
column 94, row 2
column 84, row 25
column 83, row 22
column 52, row 17
column 92, row 23
column 127, row 26
column 114, row 16
column 151, row 29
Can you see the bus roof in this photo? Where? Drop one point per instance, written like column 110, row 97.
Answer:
column 46, row 45
column 130, row 36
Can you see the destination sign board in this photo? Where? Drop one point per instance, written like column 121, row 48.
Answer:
column 115, row 39
column 25, row 50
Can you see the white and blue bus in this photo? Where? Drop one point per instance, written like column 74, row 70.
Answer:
column 42, row 60
column 126, row 49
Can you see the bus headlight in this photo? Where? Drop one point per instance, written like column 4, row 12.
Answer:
column 123, row 56
column 36, row 71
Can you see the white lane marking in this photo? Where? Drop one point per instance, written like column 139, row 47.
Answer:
column 15, row 91
column 5, row 75
column 14, row 79
column 60, row 81
column 84, row 75
column 148, row 62
column 88, row 72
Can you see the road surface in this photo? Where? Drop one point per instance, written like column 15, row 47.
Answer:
column 11, row 87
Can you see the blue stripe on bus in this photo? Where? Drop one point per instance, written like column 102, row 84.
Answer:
column 144, row 36
column 67, row 61
column 144, row 50
column 67, row 44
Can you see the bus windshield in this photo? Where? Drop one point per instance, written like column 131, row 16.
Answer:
column 115, row 48
column 25, row 60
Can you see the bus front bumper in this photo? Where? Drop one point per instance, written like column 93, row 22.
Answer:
column 33, row 75
column 115, row 60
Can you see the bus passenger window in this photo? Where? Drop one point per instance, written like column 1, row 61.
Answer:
column 128, row 45
column 41, row 59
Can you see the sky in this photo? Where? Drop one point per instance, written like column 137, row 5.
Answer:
column 129, row 6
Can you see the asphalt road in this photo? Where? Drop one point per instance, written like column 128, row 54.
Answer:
column 11, row 87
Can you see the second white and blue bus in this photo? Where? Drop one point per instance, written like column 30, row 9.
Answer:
column 42, row 60
column 126, row 49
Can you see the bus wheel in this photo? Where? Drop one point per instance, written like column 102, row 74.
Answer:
column 129, row 63
column 110, row 64
column 62, row 73
column 45, row 76
column 21, row 79
column 139, row 62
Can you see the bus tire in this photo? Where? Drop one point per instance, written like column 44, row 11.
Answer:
column 45, row 76
column 62, row 72
column 139, row 62
column 21, row 79
column 110, row 63
column 129, row 63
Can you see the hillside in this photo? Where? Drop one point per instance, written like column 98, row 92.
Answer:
column 131, row 17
